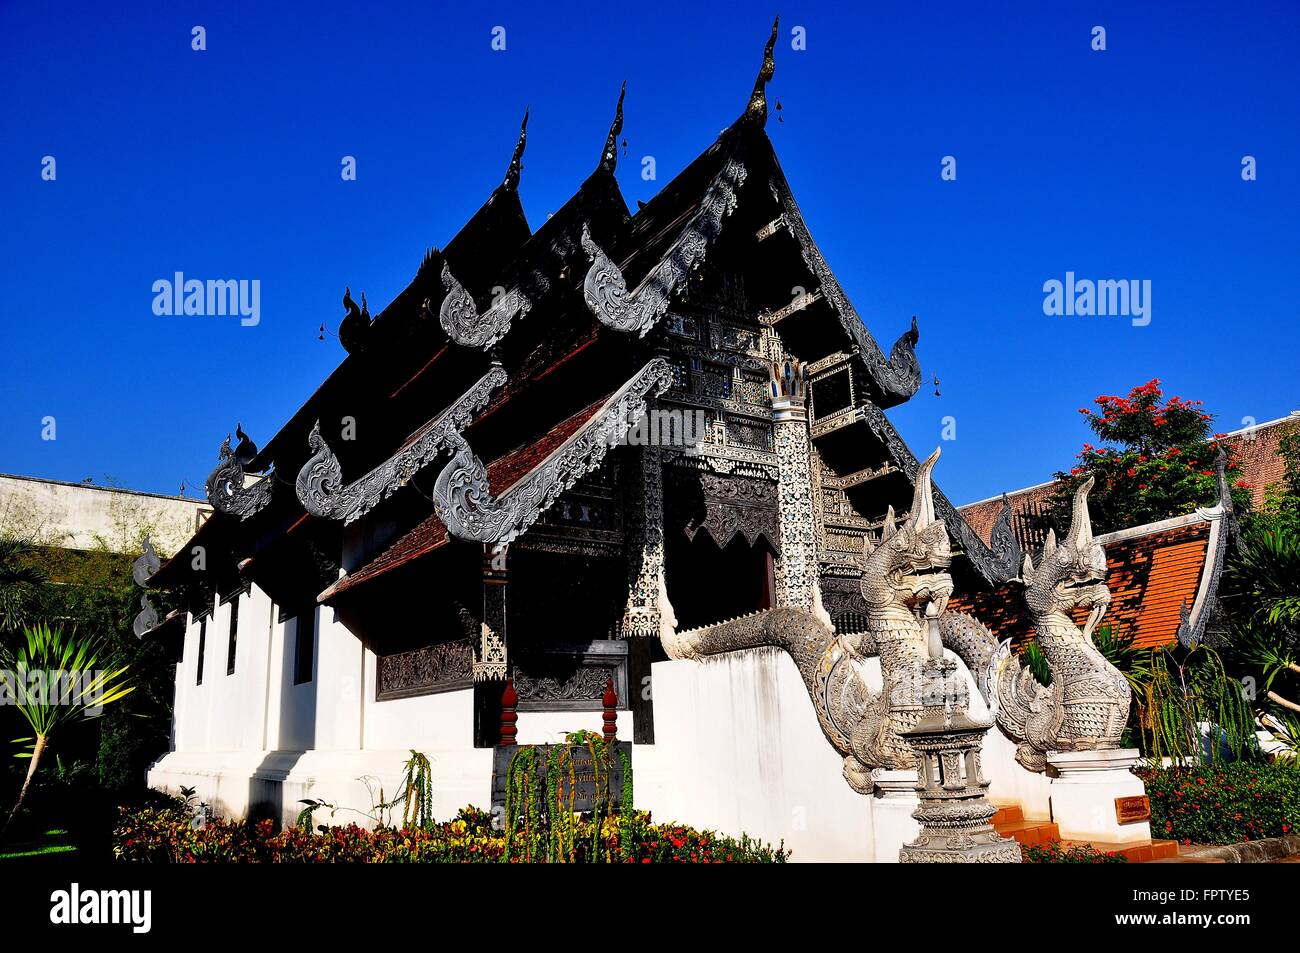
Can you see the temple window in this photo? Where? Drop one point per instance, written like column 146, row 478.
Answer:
column 304, row 648
column 233, row 638
column 203, row 640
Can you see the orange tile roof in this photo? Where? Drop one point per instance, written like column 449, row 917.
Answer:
column 1151, row 578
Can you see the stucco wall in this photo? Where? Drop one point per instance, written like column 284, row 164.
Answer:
column 81, row 516
column 737, row 743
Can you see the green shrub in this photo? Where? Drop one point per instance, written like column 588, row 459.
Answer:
column 166, row 834
column 1054, row 852
column 1224, row 803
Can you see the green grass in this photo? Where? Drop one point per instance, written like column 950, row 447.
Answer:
column 50, row 844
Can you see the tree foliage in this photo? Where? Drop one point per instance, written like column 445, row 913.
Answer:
column 1156, row 460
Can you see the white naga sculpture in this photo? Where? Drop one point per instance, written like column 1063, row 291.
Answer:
column 905, row 581
column 1087, row 705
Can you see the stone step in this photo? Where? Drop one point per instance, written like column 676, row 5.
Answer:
column 1008, row 814
column 1009, row 821
column 1030, row 833
column 1137, row 852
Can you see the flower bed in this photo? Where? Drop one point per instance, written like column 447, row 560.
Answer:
column 1054, row 852
column 166, row 835
column 1224, row 803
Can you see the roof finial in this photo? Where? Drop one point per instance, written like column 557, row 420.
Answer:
column 516, row 161
column 757, row 107
column 609, row 158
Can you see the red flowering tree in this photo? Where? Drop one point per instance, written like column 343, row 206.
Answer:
column 1157, row 460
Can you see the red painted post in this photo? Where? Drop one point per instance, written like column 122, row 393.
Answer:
column 509, row 702
column 610, row 701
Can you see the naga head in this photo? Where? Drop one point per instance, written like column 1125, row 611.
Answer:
column 1071, row 574
column 909, row 564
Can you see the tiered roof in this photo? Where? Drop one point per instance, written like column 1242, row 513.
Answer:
column 581, row 294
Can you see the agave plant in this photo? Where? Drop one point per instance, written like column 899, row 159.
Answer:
column 53, row 679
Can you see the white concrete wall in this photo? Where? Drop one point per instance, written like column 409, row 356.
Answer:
column 738, row 749
column 254, row 738
column 81, row 516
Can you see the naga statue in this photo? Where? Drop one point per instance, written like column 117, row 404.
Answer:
column 905, row 584
column 1087, row 705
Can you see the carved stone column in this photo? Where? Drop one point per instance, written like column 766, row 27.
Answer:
column 490, row 660
column 648, row 610
column 956, row 819
column 797, row 572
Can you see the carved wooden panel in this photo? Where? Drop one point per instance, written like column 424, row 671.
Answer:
column 434, row 668
column 561, row 677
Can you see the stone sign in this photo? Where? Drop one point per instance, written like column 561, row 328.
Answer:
column 582, row 775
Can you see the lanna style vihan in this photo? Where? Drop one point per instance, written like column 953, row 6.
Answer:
column 614, row 459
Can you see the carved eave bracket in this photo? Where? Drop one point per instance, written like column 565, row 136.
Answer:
column 605, row 290
column 225, row 485
column 320, row 485
column 460, row 317
column 1007, row 554
column 463, row 499
column 146, row 565
column 146, row 619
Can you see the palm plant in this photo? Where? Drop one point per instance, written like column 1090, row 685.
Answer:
column 1262, row 594
column 54, row 678
column 1267, row 574
column 20, row 583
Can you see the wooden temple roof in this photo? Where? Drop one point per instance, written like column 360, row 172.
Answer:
column 557, row 356
column 431, row 533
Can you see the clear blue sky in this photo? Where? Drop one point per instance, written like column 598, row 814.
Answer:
column 225, row 164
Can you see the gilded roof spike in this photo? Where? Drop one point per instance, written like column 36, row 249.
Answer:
column 757, row 107
column 516, row 161
column 609, row 158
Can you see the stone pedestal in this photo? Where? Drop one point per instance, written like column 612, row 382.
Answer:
column 1084, row 787
column 891, row 813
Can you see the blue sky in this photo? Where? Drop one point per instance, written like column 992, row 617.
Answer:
column 225, row 164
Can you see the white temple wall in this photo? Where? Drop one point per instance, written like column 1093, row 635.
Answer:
column 291, row 723
column 738, row 749
column 339, row 677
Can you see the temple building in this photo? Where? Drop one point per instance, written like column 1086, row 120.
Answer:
column 548, row 460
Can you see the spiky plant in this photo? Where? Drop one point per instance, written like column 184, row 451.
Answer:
column 53, row 679
column 1188, row 688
